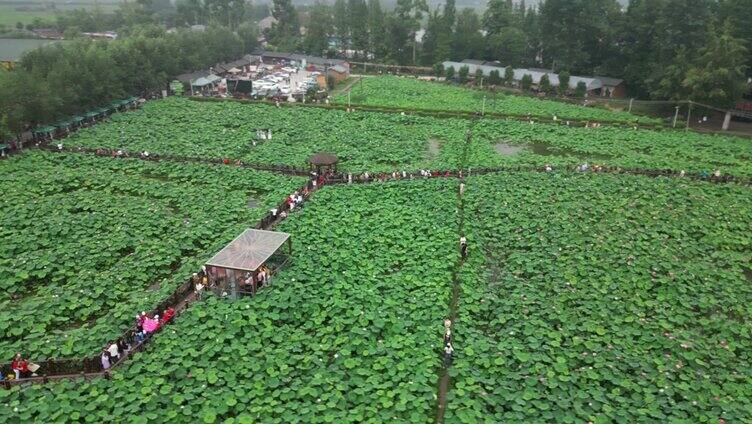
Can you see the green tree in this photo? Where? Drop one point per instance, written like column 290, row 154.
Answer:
column 719, row 77
column 342, row 24
column 450, row 72
column 526, row 82
column 581, row 89
column 564, row 78
column 510, row 46
column 433, row 27
column 358, row 23
column 287, row 27
column 739, row 14
column 316, row 40
column 438, row 69
column 498, row 16
column 671, row 85
column 494, row 78
column 478, row 76
column 468, row 40
column 376, row 35
column 508, row 75
column 463, row 73
column 577, row 33
column 545, row 84
column 249, row 34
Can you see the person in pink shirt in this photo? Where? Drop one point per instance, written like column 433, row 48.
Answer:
column 150, row 324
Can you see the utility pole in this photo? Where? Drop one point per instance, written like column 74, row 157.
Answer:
column 689, row 114
column 676, row 116
column 348, row 100
column 630, row 107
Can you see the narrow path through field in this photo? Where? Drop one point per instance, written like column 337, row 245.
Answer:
column 347, row 86
column 444, row 378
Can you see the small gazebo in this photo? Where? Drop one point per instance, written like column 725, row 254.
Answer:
column 246, row 254
column 323, row 161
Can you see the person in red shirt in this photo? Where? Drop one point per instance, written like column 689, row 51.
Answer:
column 20, row 366
column 168, row 314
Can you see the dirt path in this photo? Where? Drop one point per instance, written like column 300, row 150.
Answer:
column 444, row 383
column 343, row 90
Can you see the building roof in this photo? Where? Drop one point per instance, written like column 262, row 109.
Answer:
column 12, row 49
column 339, row 69
column 590, row 82
column 323, row 159
column 210, row 79
column 192, row 76
column 249, row 250
column 311, row 60
column 609, row 82
column 474, row 62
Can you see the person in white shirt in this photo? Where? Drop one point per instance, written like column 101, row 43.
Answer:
column 448, row 351
column 114, row 352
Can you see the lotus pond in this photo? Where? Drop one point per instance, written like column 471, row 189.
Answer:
column 405, row 92
column 88, row 241
column 370, row 141
column 348, row 333
column 606, row 299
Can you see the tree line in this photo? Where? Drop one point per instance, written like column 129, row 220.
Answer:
column 663, row 49
column 74, row 77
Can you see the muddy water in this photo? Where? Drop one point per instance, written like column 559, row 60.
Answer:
column 505, row 149
column 542, row 149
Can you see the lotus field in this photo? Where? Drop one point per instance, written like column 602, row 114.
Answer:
column 409, row 93
column 88, row 241
column 585, row 297
column 606, row 299
column 370, row 141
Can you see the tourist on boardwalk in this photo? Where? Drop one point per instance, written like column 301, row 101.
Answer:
column 447, row 336
column 105, row 358
column 463, row 247
column 151, row 324
column 448, row 351
column 168, row 314
column 114, row 351
column 20, row 366
column 462, row 189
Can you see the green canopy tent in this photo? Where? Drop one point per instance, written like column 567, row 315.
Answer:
column 131, row 102
column 77, row 120
column 91, row 116
column 3, row 148
column 43, row 132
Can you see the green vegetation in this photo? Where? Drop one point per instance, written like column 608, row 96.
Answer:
column 348, row 333
column 368, row 141
column 10, row 15
column 412, row 93
column 362, row 141
column 603, row 298
column 87, row 241
column 585, row 297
